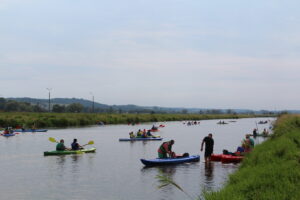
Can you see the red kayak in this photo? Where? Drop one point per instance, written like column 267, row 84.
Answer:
column 226, row 158
column 216, row 157
column 231, row 159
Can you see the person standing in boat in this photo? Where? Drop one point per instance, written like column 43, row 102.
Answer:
column 165, row 149
column 254, row 132
column 209, row 147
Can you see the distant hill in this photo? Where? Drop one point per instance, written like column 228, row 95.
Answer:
column 134, row 108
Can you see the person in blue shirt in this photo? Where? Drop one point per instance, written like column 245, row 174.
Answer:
column 75, row 145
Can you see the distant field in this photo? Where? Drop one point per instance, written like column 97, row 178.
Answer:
column 42, row 120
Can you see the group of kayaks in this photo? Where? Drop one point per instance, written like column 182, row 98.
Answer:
column 140, row 139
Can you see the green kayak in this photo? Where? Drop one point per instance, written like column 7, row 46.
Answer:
column 52, row 153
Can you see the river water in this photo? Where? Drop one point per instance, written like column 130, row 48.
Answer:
column 115, row 172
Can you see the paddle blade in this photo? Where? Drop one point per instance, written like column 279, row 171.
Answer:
column 51, row 139
column 91, row 142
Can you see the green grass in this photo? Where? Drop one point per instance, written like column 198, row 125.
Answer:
column 42, row 120
column 271, row 171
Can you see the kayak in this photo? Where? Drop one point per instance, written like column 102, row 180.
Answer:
column 30, row 130
column 216, row 157
column 52, row 153
column 140, row 139
column 231, row 159
column 226, row 158
column 170, row 161
column 8, row 135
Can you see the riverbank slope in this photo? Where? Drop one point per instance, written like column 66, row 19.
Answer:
column 42, row 120
column 271, row 171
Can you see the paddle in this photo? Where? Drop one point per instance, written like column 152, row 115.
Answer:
column 89, row 143
column 51, row 139
column 256, row 127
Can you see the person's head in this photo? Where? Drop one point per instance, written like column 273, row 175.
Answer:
column 210, row 135
column 62, row 141
column 172, row 142
column 75, row 140
column 247, row 136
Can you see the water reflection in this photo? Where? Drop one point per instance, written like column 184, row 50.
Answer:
column 60, row 160
column 209, row 168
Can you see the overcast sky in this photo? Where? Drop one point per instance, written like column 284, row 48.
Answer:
column 171, row 53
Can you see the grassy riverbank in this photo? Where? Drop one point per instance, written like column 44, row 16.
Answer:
column 42, row 120
column 272, row 170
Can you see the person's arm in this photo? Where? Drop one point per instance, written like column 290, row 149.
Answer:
column 202, row 145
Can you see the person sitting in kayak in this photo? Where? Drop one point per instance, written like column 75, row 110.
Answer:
column 61, row 146
column 165, row 149
column 174, row 155
column 131, row 134
column 6, row 131
column 75, row 145
column 154, row 127
column 144, row 134
column 265, row 132
column 149, row 134
column 139, row 133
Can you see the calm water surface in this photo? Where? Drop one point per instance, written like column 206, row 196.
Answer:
column 115, row 172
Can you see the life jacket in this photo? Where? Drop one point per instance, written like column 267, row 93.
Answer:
column 164, row 148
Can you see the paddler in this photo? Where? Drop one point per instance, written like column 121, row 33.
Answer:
column 75, row 145
column 165, row 149
column 61, row 146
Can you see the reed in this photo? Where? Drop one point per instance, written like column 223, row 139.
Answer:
column 42, row 120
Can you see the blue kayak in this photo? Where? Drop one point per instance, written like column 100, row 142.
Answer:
column 170, row 161
column 8, row 135
column 139, row 139
column 30, row 130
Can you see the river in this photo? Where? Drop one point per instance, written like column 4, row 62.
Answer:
column 115, row 172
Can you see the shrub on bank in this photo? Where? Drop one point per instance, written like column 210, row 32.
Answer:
column 42, row 120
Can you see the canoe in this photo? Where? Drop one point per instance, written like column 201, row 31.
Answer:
column 170, row 161
column 8, row 135
column 216, row 157
column 140, row 139
column 231, row 159
column 52, row 153
column 30, row 130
